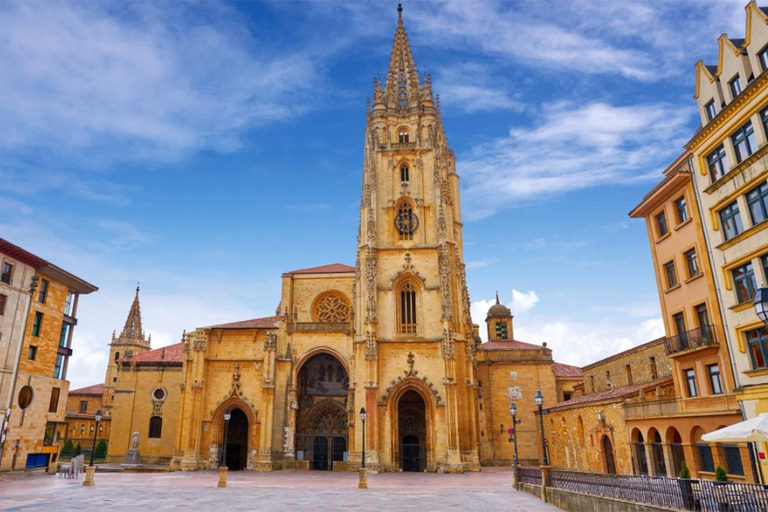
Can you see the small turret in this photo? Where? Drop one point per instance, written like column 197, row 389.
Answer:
column 499, row 322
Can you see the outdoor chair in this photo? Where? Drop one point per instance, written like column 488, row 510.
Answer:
column 73, row 469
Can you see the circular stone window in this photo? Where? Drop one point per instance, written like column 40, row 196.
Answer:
column 25, row 397
column 159, row 394
column 332, row 308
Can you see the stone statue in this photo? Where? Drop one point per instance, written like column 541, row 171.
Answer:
column 133, row 457
column 135, row 444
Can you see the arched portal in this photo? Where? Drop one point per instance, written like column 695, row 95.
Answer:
column 412, row 431
column 322, row 421
column 237, row 441
column 610, row 462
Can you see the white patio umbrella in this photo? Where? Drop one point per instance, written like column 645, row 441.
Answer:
column 754, row 429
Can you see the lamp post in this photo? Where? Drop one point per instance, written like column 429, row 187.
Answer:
column 223, row 463
column 363, row 482
column 761, row 304
column 515, row 421
column 540, row 402
column 91, row 469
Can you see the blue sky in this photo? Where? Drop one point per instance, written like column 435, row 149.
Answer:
column 205, row 148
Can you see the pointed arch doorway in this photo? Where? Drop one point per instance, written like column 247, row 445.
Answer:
column 237, row 441
column 412, row 431
column 322, row 422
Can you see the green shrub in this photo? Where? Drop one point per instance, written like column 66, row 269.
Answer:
column 68, row 450
column 101, row 450
column 78, row 450
column 720, row 474
column 684, row 471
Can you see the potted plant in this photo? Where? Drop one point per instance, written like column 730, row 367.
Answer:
column 720, row 474
column 686, row 488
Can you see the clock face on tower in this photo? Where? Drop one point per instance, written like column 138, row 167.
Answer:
column 406, row 222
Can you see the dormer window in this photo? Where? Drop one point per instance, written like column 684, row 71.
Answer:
column 735, row 86
column 403, row 136
column 711, row 110
column 404, row 175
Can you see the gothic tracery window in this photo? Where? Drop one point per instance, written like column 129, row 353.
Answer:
column 404, row 174
column 406, row 222
column 332, row 308
column 407, row 310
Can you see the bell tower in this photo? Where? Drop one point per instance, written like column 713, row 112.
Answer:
column 411, row 299
column 130, row 343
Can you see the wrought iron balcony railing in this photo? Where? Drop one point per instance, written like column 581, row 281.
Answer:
column 705, row 336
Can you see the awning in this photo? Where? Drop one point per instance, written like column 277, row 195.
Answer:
column 754, row 429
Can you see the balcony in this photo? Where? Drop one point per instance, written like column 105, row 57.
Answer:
column 320, row 327
column 651, row 409
column 701, row 337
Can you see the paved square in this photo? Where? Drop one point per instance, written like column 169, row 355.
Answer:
column 280, row 490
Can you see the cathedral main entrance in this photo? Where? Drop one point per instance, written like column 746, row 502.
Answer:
column 322, row 422
column 412, row 431
column 237, row 441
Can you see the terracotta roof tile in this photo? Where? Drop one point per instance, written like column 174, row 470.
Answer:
column 333, row 268
column 565, row 370
column 509, row 345
column 269, row 322
column 95, row 390
column 169, row 354
column 608, row 394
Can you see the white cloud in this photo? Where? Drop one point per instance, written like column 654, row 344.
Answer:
column 472, row 88
column 572, row 147
column 523, row 302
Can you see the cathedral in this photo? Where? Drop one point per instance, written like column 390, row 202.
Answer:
column 392, row 334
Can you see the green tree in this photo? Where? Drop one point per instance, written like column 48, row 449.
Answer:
column 720, row 474
column 101, row 450
column 68, row 450
column 684, row 471
column 78, row 450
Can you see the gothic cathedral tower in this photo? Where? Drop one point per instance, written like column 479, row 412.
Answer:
column 414, row 344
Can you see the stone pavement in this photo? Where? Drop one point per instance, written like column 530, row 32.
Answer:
column 279, row 490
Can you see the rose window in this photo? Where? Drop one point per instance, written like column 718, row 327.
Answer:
column 332, row 308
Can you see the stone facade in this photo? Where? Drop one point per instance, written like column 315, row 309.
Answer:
column 38, row 384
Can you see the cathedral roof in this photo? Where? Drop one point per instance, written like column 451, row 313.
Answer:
column 566, row 370
column 333, row 268
column 509, row 345
column 169, row 354
column 95, row 390
column 269, row 322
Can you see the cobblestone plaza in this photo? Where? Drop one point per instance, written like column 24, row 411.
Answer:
column 279, row 490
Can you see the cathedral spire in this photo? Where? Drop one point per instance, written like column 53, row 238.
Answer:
column 402, row 85
column 132, row 332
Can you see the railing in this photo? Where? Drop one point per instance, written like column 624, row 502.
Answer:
column 695, row 338
column 319, row 327
column 651, row 409
column 530, row 475
column 678, row 493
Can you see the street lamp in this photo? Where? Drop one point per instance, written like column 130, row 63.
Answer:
column 91, row 469
column 223, row 463
column 539, row 402
column 515, row 421
column 363, row 483
column 761, row 304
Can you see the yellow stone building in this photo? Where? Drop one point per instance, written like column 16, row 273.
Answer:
column 392, row 334
column 731, row 180
column 38, row 312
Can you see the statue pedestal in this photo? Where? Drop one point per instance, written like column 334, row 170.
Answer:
column 132, row 458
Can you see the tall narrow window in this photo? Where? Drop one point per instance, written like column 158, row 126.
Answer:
column 68, row 304
column 53, row 405
column 730, row 218
column 717, row 163
column 83, row 406
column 404, row 175
column 654, row 371
column 629, row 374
column 408, row 319
column 763, row 58
column 702, row 316
column 406, row 222
column 43, row 294
column 757, row 200
column 692, row 262
column 155, row 427
column 661, row 224
column 501, row 330
column 757, row 340
column 37, row 325
column 5, row 276
column 744, row 143
column 735, row 86
column 669, row 270
column 403, row 136
column 682, row 210
column 733, row 459
column 714, row 379
column 711, row 110
column 690, row 379
column 3, row 299
column 744, row 282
